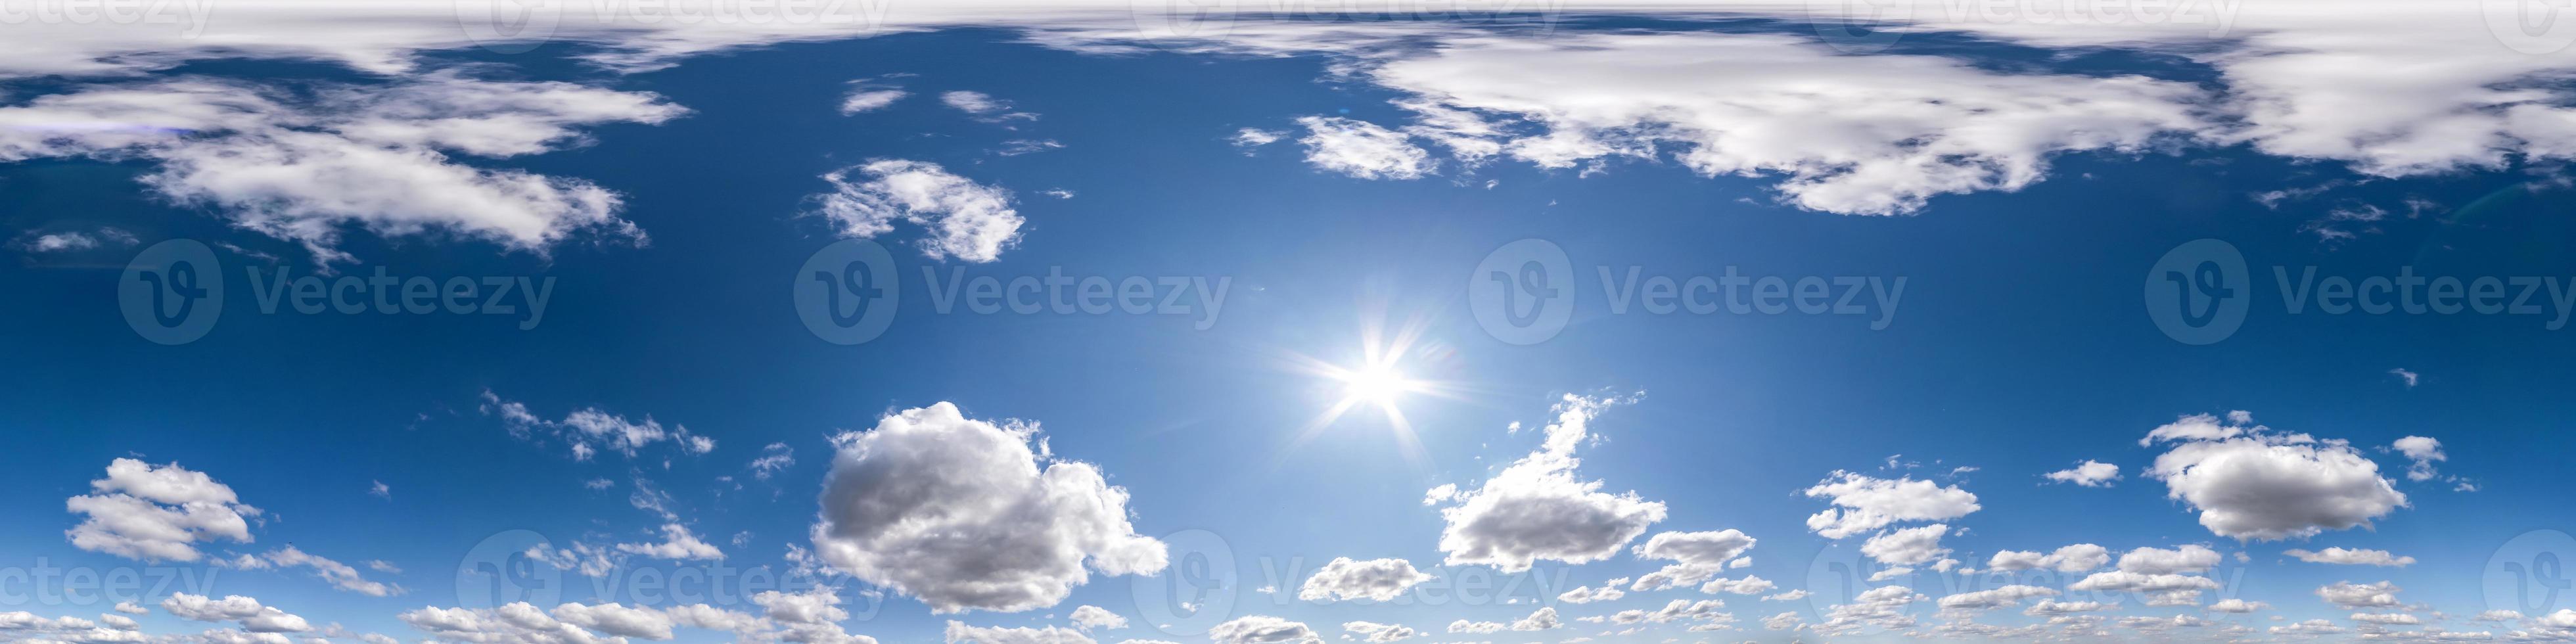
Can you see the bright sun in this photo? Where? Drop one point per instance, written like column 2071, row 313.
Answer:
column 1380, row 384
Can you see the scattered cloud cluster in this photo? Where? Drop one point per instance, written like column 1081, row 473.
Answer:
column 966, row 220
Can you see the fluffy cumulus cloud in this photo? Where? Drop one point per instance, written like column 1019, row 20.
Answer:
column 157, row 513
column 2236, row 605
column 306, row 166
column 2249, row 482
column 1089, row 617
column 1361, row 149
column 678, row 543
column 961, row 514
column 2345, row 594
column 1263, row 629
column 1609, row 590
column 1374, row 579
column 253, row 616
column 2007, row 595
column 1907, row 546
column 959, row 633
column 2421, row 452
column 1540, row 508
column 2088, row 474
column 612, row 623
column 2075, row 558
column 1697, row 556
column 1376, row 632
column 2350, row 556
column 964, row 219
column 1863, row 503
column 867, row 96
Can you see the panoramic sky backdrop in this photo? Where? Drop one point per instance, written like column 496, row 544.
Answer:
column 1235, row 322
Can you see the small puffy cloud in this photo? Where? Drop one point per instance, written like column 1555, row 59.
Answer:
column 984, row 107
column 964, row 219
column 1361, row 149
column 1088, row 617
column 2003, row 596
column 2089, row 473
column 2190, row 558
column 1749, row 585
column 141, row 511
column 1907, row 547
column 73, row 240
column 2345, row 594
column 253, row 616
column 2075, row 558
column 2235, row 605
column 2350, row 556
column 1539, row 620
column 2251, row 483
column 1256, row 137
column 960, row 514
column 2386, row 618
column 677, row 544
column 2422, row 452
column 865, row 96
column 1697, row 556
column 1609, row 590
column 2126, row 581
column 1864, row 503
column 2047, row 607
column 1374, row 579
column 1539, row 508
column 617, row 620
column 1263, row 629
column 1376, row 632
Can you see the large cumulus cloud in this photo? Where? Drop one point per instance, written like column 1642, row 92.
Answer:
column 961, row 514
column 1539, row 508
column 2253, row 483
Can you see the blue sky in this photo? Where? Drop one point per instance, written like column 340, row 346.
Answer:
column 1311, row 198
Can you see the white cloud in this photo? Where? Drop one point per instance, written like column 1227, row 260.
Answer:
column 589, row 429
column 2345, row 594
column 156, row 513
column 959, row 633
column 1539, row 508
column 1609, row 590
column 1376, row 632
column 253, row 616
column 307, row 166
column 677, row 544
column 2075, row 558
column 342, row 576
column 1256, row 137
column 966, row 220
column 1697, row 556
column 1361, row 149
column 1374, row 579
column 1998, row 597
column 2088, row 474
column 1908, row 546
column 513, row 622
column 2250, row 483
column 2349, row 556
column 1538, row 620
column 2409, row 377
column 975, row 522
column 2235, row 605
column 1865, row 503
column 866, row 97
column 1263, row 629
column 2422, row 452
column 1749, row 585
column 1088, row 617
column 2189, row 558
column 983, row 106
column 2126, row 581
column 73, row 240
column 617, row 619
